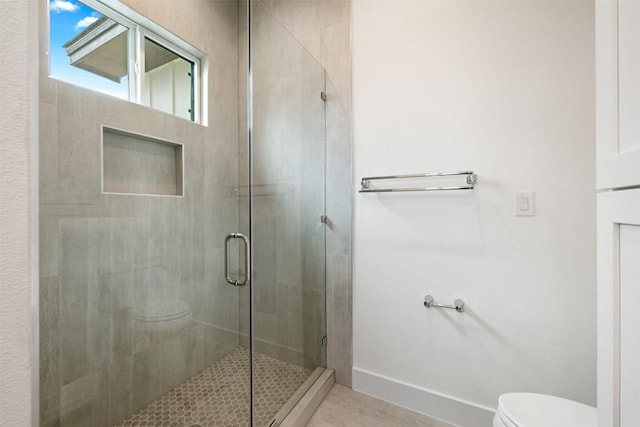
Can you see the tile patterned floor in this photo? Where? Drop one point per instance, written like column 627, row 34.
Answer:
column 218, row 396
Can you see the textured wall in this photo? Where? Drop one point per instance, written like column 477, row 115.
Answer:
column 505, row 89
column 18, row 127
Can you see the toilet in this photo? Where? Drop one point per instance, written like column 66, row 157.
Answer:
column 162, row 315
column 159, row 327
column 539, row 410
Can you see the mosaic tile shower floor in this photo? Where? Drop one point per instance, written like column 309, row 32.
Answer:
column 218, row 395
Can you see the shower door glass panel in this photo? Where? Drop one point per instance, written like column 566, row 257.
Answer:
column 137, row 320
column 287, row 207
column 138, row 325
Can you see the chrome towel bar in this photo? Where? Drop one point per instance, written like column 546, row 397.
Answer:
column 471, row 179
column 458, row 304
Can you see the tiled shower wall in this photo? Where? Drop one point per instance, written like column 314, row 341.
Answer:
column 103, row 254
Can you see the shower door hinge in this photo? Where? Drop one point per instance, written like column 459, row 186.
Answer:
column 323, row 96
column 324, row 219
column 324, row 340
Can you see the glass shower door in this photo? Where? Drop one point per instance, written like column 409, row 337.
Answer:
column 138, row 325
column 287, row 207
column 148, row 312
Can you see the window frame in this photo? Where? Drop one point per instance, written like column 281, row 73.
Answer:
column 144, row 33
column 140, row 27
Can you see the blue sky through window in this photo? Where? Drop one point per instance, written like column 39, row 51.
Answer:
column 69, row 18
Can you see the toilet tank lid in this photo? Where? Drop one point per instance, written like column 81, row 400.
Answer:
column 160, row 310
column 540, row 410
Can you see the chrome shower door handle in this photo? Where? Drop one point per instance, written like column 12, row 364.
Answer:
column 247, row 259
column 226, row 259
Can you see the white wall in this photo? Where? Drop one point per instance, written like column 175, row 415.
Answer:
column 18, row 130
column 504, row 88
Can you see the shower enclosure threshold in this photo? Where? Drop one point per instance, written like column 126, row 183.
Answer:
column 313, row 395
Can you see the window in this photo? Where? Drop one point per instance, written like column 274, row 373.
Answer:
column 105, row 46
column 88, row 48
column 168, row 80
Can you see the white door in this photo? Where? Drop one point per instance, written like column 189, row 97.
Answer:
column 619, row 308
column 618, row 180
column 618, row 93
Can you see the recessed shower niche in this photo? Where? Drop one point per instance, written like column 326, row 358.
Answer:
column 140, row 164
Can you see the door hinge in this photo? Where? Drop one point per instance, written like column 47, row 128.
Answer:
column 323, row 96
column 324, row 340
column 323, row 219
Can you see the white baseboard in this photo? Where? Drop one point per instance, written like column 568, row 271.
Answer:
column 431, row 403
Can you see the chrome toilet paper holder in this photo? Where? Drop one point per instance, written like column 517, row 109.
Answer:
column 430, row 302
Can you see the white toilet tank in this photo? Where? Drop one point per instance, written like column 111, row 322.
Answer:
column 165, row 315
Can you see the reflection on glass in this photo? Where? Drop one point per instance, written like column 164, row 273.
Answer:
column 88, row 49
column 168, row 81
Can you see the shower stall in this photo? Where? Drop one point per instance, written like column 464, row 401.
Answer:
column 182, row 261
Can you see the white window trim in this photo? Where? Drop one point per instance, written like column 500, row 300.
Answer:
column 141, row 27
